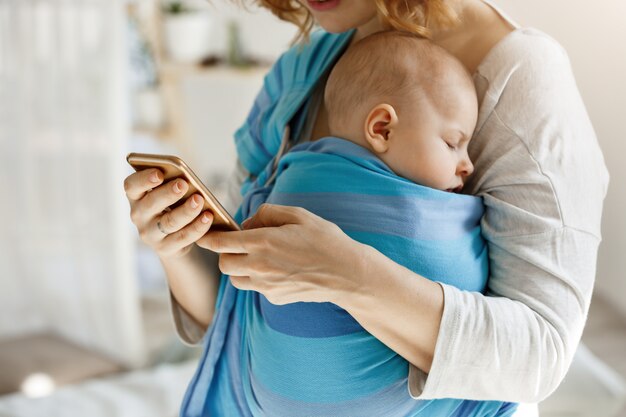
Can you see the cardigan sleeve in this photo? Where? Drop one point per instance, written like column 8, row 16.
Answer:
column 541, row 173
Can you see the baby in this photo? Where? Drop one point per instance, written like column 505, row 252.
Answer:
column 416, row 114
column 387, row 176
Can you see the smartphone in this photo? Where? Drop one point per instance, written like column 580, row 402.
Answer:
column 174, row 167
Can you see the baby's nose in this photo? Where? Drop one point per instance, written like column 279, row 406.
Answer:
column 466, row 167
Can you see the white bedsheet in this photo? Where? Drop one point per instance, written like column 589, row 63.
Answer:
column 155, row 392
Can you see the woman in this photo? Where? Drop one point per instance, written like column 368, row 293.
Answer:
column 541, row 175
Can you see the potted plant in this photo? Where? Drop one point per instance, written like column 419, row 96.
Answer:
column 187, row 32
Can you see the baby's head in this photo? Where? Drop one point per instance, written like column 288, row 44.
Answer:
column 408, row 101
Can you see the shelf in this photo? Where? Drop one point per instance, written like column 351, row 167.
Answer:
column 173, row 80
column 174, row 69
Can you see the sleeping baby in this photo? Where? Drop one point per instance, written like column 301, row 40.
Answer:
column 389, row 176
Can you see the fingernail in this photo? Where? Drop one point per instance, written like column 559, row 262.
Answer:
column 178, row 187
column 155, row 177
column 194, row 202
column 205, row 218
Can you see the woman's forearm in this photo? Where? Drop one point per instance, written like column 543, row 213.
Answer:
column 399, row 307
column 194, row 283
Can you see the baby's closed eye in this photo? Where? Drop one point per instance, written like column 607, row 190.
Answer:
column 451, row 143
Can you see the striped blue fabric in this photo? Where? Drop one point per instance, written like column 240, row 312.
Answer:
column 285, row 93
column 314, row 359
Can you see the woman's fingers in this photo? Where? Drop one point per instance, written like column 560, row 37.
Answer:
column 255, row 273
column 148, row 198
column 270, row 215
column 174, row 232
column 174, row 220
column 180, row 242
column 159, row 199
column 301, row 258
column 235, row 264
column 229, row 242
column 139, row 183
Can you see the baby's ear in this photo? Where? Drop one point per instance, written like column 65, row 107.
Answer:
column 379, row 124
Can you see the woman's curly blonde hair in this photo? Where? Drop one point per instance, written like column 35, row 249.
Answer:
column 415, row 16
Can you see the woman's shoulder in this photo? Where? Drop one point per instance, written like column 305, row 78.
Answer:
column 535, row 147
column 526, row 60
column 526, row 77
column 525, row 49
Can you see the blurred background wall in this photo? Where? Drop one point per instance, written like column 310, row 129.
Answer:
column 66, row 254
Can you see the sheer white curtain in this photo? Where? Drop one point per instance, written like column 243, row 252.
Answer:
column 66, row 250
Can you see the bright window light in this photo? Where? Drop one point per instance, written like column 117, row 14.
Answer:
column 37, row 385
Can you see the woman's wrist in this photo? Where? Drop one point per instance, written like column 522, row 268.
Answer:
column 192, row 284
column 188, row 255
column 357, row 287
column 396, row 305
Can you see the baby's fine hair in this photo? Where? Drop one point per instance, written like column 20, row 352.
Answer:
column 393, row 66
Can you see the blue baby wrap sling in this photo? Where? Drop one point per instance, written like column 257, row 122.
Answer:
column 314, row 359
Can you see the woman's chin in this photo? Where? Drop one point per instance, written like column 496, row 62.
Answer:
column 337, row 16
column 333, row 27
column 345, row 16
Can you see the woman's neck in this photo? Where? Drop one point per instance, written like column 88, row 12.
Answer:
column 479, row 28
column 468, row 12
column 373, row 26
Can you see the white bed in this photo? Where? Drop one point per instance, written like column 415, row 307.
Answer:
column 155, row 392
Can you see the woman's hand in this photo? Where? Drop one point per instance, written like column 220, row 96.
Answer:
column 170, row 234
column 289, row 254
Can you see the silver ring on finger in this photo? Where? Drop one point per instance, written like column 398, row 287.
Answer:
column 160, row 227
